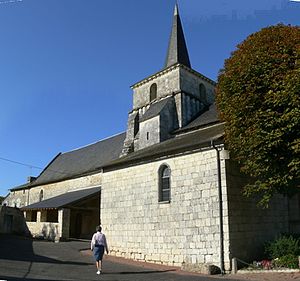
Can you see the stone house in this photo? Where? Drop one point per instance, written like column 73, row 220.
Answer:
column 165, row 190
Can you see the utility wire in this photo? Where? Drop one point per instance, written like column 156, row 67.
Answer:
column 30, row 166
column 19, row 163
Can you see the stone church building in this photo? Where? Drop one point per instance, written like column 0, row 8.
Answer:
column 165, row 190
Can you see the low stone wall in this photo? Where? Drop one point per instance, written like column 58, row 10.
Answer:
column 45, row 230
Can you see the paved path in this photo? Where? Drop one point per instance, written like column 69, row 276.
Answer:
column 32, row 260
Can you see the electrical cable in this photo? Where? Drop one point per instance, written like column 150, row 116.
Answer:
column 30, row 166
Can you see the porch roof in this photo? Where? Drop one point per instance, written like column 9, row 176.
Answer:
column 63, row 199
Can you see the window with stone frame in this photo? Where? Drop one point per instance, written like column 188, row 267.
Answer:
column 164, row 183
column 153, row 92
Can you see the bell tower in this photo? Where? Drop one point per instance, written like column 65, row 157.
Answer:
column 169, row 99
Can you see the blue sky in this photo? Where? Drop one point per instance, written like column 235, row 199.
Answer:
column 66, row 66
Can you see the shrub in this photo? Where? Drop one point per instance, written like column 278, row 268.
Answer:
column 289, row 261
column 283, row 248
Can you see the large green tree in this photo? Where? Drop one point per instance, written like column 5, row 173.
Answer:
column 258, row 97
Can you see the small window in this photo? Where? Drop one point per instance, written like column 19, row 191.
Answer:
column 153, row 92
column 164, row 183
column 202, row 93
column 147, row 136
column 41, row 195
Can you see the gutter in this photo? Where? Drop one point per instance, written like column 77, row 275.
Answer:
column 220, row 207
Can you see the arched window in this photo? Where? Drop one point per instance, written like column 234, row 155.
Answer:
column 153, row 92
column 202, row 93
column 41, row 195
column 164, row 184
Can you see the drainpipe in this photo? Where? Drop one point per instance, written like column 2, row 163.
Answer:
column 220, row 208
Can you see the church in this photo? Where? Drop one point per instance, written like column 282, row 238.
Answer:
column 165, row 191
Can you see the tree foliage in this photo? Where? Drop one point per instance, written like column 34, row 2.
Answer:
column 258, row 97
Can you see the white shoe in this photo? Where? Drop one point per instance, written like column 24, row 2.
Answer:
column 98, row 272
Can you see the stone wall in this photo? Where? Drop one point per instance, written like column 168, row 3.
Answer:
column 12, row 221
column 149, row 132
column 31, row 195
column 53, row 230
column 17, row 198
column 251, row 226
column 55, row 189
column 167, row 82
column 45, row 230
column 182, row 232
column 190, row 83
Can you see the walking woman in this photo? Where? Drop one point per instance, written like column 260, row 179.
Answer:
column 98, row 246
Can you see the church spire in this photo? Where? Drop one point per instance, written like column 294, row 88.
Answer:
column 177, row 50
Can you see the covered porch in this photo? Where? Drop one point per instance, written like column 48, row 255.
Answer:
column 70, row 215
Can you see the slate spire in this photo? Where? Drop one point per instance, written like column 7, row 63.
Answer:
column 177, row 50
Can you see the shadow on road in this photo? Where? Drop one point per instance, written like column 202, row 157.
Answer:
column 18, row 248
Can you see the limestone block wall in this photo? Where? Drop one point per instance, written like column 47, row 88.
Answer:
column 58, row 188
column 251, row 226
column 182, row 232
column 190, row 82
column 149, row 132
column 167, row 82
column 168, row 120
column 158, row 128
column 17, row 198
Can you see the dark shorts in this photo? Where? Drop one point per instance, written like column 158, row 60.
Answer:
column 98, row 252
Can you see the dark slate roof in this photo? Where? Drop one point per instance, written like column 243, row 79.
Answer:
column 177, row 50
column 20, row 187
column 82, row 161
column 64, row 199
column 181, row 143
column 210, row 116
column 154, row 109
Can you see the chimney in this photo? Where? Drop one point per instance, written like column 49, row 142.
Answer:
column 30, row 179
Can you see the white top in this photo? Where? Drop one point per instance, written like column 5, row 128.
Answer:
column 99, row 239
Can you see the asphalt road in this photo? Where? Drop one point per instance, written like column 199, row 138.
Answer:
column 26, row 259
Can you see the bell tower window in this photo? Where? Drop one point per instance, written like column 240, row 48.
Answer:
column 153, row 92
